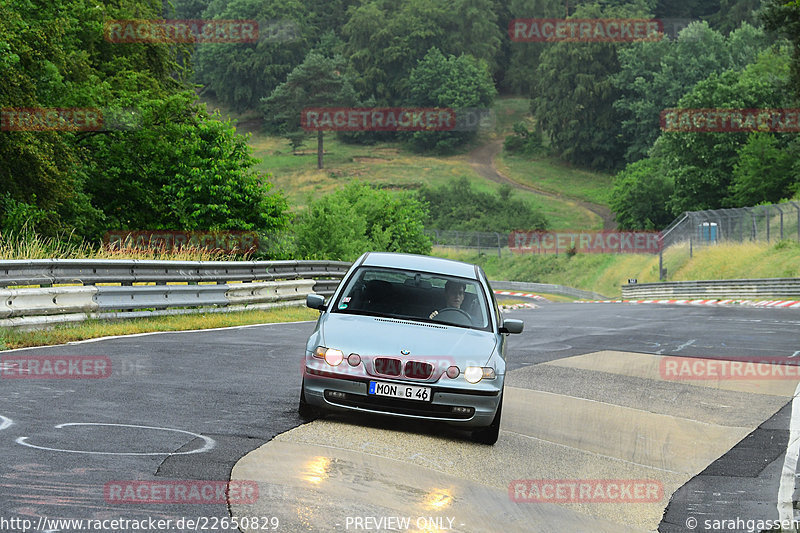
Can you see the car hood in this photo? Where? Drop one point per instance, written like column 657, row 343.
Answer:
column 369, row 335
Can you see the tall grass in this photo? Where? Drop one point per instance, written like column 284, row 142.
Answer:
column 29, row 245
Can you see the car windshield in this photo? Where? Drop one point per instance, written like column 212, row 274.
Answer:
column 420, row 296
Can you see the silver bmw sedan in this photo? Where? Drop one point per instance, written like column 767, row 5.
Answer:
column 410, row 336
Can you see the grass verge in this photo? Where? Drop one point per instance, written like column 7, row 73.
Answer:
column 12, row 338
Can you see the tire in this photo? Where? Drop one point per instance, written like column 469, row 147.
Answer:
column 490, row 433
column 306, row 411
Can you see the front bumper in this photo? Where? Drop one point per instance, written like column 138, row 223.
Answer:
column 480, row 401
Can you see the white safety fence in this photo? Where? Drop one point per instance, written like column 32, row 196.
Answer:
column 720, row 289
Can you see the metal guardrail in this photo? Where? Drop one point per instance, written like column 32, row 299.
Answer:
column 720, row 289
column 548, row 288
column 45, row 272
column 195, row 286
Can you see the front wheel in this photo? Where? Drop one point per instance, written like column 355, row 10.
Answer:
column 306, row 411
column 490, row 434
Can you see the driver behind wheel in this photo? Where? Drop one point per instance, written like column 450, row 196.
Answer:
column 453, row 296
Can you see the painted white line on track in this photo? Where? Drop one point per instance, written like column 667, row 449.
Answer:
column 5, row 422
column 209, row 442
column 685, row 344
column 786, row 488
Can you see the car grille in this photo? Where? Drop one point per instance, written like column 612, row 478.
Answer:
column 388, row 366
column 418, row 370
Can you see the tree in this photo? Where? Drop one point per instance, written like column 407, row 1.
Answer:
column 703, row 163
column 317, row 82
column 451, row 82
column 783, row 16
column 574, row 94
column 474, row 30
column 171, row 165
column 54, row 55
column 524, row 58
column 573, row 99
column 640, row 195
column 188, row 9
column 385, row 40
column 183, row 169
column 654, row 75
column 240, row 74
column 763, row 172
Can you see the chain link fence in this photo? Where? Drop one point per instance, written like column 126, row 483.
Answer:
column 693, row 229
column 762, row 223
column 480, row 241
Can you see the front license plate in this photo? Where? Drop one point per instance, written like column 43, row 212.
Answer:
column 397, row 390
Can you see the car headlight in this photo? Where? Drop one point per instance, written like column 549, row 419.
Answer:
column 332, row 356
column 474, row 374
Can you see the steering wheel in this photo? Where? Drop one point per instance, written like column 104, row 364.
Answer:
column 455, row 319
column 456, row 309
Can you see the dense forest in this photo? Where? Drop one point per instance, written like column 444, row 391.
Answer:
column 161, row 161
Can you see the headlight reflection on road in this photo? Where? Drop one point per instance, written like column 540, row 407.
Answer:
column 316, row 470
column 437, row 499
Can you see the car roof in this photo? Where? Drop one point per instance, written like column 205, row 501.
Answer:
column 423, row 263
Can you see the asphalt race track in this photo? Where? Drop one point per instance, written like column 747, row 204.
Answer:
column 587, row 401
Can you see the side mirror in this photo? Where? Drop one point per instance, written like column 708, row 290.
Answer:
column 512, row 325
column 315, row 301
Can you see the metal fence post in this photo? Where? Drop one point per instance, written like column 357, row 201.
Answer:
column 766, row 219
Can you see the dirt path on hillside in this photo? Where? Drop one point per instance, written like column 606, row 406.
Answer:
column 482, row 160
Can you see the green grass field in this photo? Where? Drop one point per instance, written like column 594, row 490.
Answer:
column 554, row 176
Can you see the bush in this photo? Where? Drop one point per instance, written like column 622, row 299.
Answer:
column 457, row 206
column 524, row 142
column 359, row 218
